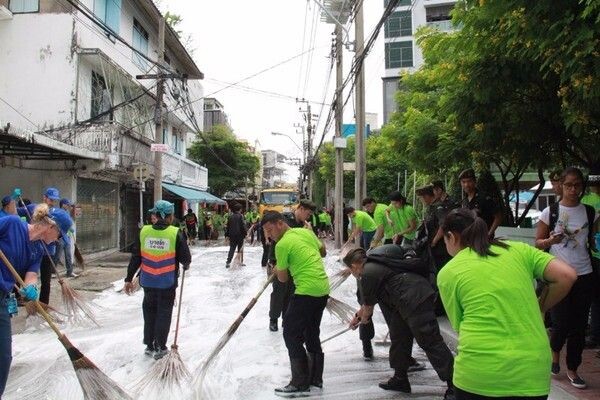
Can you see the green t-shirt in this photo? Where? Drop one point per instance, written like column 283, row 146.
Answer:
column 298, row 252
column 401, row 218
column 364, row 221
column 592, row 199
column 503, row 347
column 380, row 219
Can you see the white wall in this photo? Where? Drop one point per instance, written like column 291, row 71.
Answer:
column 37, row 70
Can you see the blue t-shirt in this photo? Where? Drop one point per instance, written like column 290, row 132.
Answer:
column 22, row 253
column 3, row 214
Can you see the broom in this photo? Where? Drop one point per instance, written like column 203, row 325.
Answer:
column 169, row 370
column 203, row 368
column 338, row 278
column 74, row 302
column 95, row 384
column 341, row 310
column 336, row 335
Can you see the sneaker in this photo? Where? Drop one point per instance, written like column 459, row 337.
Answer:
column 227, row 265
column 72, row 275
column 292, row 391
column 577, row 382
column 555, row 369
column 149, row 351
column 417, row 366
column 160, row 353
column 396, row 384
column 273, row 325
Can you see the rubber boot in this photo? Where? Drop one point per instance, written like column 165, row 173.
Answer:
column 316, row 362
column 367, row 350
column 299, row 385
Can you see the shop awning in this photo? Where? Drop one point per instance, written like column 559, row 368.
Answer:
column 192, row 194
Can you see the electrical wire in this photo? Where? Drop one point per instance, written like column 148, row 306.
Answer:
column 19, row 112
column 303, row 47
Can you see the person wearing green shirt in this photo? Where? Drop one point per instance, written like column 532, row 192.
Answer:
column 299, row 254
column 487, row 290
column 402, row 217
column 384, row 229
column 363, row 225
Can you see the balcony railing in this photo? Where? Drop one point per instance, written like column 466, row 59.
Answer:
column 443, row 26
column 180, row 170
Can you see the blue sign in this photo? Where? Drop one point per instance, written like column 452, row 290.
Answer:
column 350, row 130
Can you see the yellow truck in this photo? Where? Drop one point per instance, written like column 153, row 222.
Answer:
column 282, row 200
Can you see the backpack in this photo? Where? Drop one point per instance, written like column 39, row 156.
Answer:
column 398, row 260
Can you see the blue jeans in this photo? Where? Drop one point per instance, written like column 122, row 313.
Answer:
column 61, row 248
column 5, row 342
column 366, row 238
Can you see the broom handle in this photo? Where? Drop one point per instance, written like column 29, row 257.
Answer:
column 241, row 317
column 336, row 335
column 40, row 309
column 179, row 308
column 43, row 244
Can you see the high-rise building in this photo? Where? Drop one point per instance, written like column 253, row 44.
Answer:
column 401, row 50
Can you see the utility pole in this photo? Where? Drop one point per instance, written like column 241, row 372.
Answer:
column 339, row 151
column 309, row 150
column 158, row 134
column 360, row 182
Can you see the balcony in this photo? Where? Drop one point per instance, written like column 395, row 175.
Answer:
column 181, row 171
column 443, row 26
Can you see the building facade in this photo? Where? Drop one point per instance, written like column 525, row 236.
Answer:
column 273, row 169
column 78, row 115
column 214, row 114
column 401, row 50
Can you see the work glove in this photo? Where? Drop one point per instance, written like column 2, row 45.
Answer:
column 186, row 267
column 16, row 193
column 30, row 292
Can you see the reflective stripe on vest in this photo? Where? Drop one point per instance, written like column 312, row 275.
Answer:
column 158, row 257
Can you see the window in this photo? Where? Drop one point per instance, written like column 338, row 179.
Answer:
column 165, row 139
column 140, row 43
column 175, row 141
column 398, row 24
column 24, row 6
column 109, row 12
column 100, row 98
column 401, row 3
column 399, row 54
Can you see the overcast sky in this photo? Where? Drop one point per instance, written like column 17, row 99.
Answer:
column 234, row 39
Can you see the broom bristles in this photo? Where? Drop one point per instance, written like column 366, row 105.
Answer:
column 168, row 373
column 76, row 306
column 338, row 278
column 341, row 310
column 95, row 384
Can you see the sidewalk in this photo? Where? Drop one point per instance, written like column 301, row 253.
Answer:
column 561, row 387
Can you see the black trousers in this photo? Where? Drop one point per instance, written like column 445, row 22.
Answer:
column 158, row 309
column 462, row 395
column 302, row 325
column 233, row 244
column 45, row 279
column 265, row 255
column 422, row 325
column 280, row 296
column 569, row 320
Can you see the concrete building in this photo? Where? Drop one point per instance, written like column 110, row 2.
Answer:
column 401, row 50
column 75, row 116
column 214, row 114
column 273, row 169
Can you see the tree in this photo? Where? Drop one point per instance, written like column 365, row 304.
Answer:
column 230, row 163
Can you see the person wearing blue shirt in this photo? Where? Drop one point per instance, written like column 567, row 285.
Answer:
column 22, row 245
column 50, row 197
column 9, row 207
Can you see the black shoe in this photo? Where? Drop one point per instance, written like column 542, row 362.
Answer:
column 555, row 369
column 397, row 384
column 449, row 395
column 592, row 343
column 577, row 382
column 149, row 351
column 227, row 265
column 273, row 325
column 367, row 350
column 416, row 366
column 160, row 353
column 293, row 391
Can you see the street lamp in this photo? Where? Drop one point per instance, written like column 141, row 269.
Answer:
column 289, row 137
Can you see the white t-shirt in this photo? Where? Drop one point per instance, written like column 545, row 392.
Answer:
column 573, row 222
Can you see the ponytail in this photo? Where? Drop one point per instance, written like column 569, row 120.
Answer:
column 41, row 214
column 473, row 231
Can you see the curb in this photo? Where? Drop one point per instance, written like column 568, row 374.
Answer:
column 451, row 339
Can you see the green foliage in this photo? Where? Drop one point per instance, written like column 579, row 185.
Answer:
column 173, row 20
column 218, row 147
